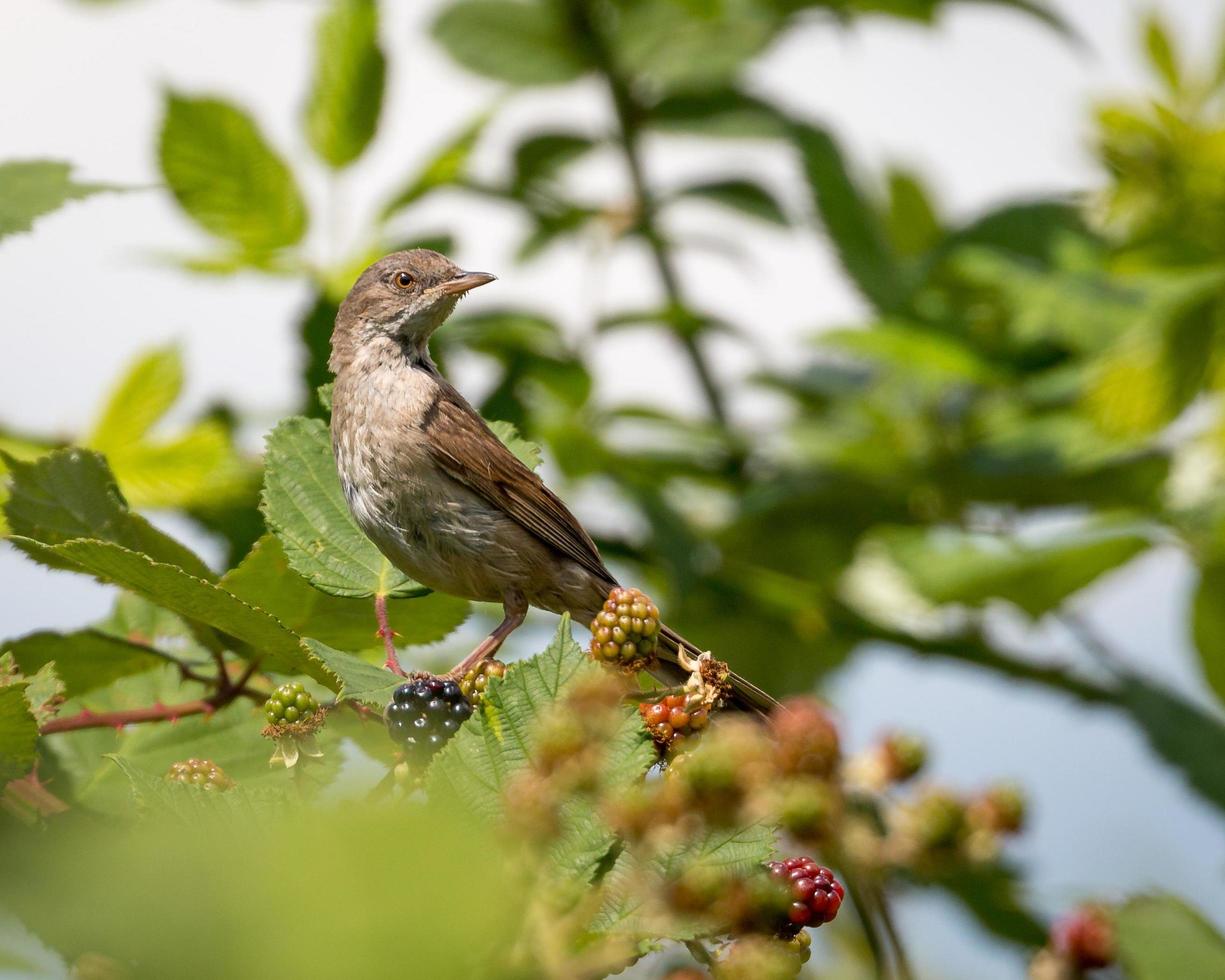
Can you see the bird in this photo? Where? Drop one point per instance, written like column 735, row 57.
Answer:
column 434, row 488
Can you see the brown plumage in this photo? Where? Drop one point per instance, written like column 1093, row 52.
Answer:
column 433, row 487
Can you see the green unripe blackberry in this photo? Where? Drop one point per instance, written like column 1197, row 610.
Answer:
column 626, row 630
column 202, row 773
column 290, row 703
column 472, row 685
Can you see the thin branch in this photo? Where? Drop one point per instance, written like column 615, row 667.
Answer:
column 901, row 961
column 859, row 899
column 1091, row 640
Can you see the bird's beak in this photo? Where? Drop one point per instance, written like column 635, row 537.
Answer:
column 464, row 281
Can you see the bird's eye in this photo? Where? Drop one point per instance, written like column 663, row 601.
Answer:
column 402, row 279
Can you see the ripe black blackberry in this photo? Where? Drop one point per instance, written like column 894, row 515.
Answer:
column 816, row 894
column 424, row 714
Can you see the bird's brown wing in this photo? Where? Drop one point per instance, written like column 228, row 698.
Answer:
column 465, row 448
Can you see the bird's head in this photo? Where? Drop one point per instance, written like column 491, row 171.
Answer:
column 403, row 297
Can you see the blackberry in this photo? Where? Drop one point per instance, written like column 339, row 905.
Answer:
column 626, row 630
column 424, row 714
column 290, row 704
column 473, row 683
column 903, row 756
column 1085, row 937
column 1000, row 810
column 671, row 718
column 806, row 738
column 816, row 895
column 202, row 773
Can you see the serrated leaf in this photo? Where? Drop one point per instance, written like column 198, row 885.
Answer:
column 71, row 494
column 139, row 400
column 240, row 804
column 1160, row 937
column 523, row 42
column 265, row 579
column 448, row 166
column 343, row 112
column 226, row 177
column 745, row 196
column 527, row 452
column 305, row 507
column 188, row 595
column 32, row 188
column 18, row 732
column 360, row 680
column 84, row 660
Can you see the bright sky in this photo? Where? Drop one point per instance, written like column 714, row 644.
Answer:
column 990, row 105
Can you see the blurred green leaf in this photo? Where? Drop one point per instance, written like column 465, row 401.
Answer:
column 265, row 579
column 305, row 507
column 528, row 453
column 850, row 221
column 745, row 196
column 343, row 112
column 911, row 222
column 71, row 494
column 991, row 893
column 1208, row 626
column 84, row 660
column 139, row 400
column 1161, row 54
column 947, row 565
column 226, row 177
column 1162, row 938
column 523, row 42
column 32, row 188
column 539, row 157
column 726, row 113
column 447, row 167
column 18, row 732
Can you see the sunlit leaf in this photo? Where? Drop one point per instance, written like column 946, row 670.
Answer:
column 745, row 196
column 138, row 400
column 523, row 42
column 1162, row 938
column 343, row 112
column 18, row 732
column 32, row 188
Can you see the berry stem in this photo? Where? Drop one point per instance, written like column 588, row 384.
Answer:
column 385, row 631
column 901, row 962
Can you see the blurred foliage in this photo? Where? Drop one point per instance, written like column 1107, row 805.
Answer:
column 1032, row 401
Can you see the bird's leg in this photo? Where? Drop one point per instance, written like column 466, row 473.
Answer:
column 514, row 609
column 385, row 631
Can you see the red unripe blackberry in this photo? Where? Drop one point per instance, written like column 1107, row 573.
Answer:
column 424, row 714
column 904, row 755
column 816, row 895
column 1085, row 937
column 806, row 738
column 202, row 773
column 290, row 703
column 626, row 630
column 472, row 685
column 670, row 718
column 1001, row 809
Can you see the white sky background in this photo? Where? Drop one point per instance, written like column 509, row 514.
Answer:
column 989, row 106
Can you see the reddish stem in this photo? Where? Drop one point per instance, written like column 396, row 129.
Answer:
column 385, row 631
column 133, row 716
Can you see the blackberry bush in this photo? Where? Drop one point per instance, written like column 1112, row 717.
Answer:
column 424, row 714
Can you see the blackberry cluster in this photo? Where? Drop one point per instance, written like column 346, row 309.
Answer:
column 1001, row 809
column 626, row 630
column 290, row 704
column 202, row 773
column 473, row 683
column 424, row 714
column 1085, row 937
column 669, row 719
column 816, row 895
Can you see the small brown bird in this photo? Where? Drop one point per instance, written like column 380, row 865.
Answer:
column 434, row 488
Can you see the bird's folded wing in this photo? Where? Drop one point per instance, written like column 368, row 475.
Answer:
column 465, row 448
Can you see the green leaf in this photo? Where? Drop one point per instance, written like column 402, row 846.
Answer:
column 32, row 188
column 1187, row 737
column 240, row 805
column 446, row 168
column 850, row 221
column 1160, row 937
column 71, row 494
column 360, row 680
column 305, row 507
column 496, row 744
column 1208, row 626
column 523, row 42
column 528, row 453
column 84, row 660
column 990, row 894
column 726, row 113
column 224, row 174
column 1161, row 54
column 911, row 223
column 745, row 196
column 191, row 597
column 18, row 732
column 947, row 565
column 139, row 400
column 343, row 112
column 539, row 157
column 265, row 579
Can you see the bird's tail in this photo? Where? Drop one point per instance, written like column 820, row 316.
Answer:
column 746, row 696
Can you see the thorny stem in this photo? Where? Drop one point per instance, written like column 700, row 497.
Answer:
column 385, row 631
column 629, row 114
